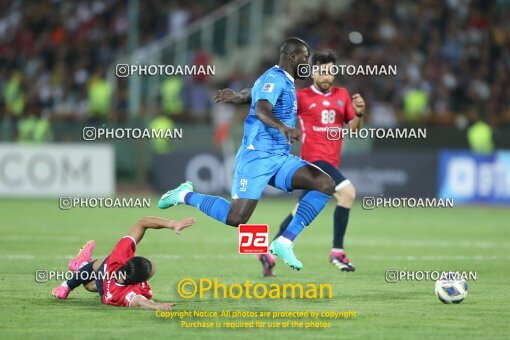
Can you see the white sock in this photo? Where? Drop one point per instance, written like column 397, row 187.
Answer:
column 81, row 265
column 285, row 241
column 181, row 195
column 64, row 284
column 336, row 250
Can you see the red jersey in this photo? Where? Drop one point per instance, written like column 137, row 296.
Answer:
column 317, row 112
column 116, row 293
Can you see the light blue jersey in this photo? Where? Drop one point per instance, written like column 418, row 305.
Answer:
column 277, row 87
column 264, row 156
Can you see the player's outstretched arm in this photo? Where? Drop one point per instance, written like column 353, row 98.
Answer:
column 264, row 113
column 138, row 230
column 231, row 97
column 141, row 302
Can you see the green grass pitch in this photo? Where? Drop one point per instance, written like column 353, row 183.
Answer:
column 35, row 234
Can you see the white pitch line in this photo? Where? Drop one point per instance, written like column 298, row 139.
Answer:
column 40, row 238
column 31, row 257
column 430, row 244
column 309, row 241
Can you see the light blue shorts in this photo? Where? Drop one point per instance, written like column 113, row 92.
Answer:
column 254, row 170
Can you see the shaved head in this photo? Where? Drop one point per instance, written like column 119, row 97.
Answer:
column 293, row 45
column 294, row 52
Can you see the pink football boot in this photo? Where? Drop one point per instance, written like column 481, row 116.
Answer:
column 340, row 260
column 84, row 255
column 61, row 292
column 268, row 263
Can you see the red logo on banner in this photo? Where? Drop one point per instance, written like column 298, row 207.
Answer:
column 253, row 238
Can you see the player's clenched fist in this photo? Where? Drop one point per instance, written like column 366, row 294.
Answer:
column 358, row 103
column 291, row 134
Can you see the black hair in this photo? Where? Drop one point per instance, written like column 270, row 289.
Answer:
column 137, row 269
column 323, row 58
column 290, row 45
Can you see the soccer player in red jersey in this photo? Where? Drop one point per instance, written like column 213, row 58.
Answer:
column 322, row 111
column 121, row 278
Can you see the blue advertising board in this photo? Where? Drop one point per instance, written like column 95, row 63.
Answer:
column 474, row 178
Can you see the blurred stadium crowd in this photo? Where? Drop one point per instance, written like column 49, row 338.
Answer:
column 54, row 55
column 453, row 59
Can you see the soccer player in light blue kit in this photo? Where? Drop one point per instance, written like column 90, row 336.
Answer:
column 264, row 158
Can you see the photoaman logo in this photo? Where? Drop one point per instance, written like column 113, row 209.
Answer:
column 253, row 238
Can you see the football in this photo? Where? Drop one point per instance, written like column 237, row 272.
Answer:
column 451, row 291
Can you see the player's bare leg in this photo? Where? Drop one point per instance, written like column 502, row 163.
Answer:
column 240, row 211
column 320, row 187
column 345, row 195
column 91, row 286
column 312, row 178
